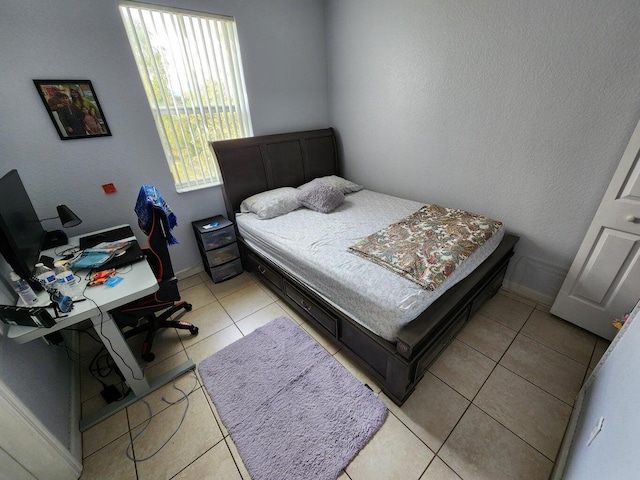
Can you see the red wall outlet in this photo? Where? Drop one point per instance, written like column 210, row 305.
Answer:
column 109, row 188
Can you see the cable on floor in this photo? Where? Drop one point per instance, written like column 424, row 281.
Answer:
column 185, row 396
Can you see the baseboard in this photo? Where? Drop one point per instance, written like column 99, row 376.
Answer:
column 561, row 459
column 189, row 271
column 535, row 279
column 529, row 293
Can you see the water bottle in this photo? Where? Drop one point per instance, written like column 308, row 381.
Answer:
column 23, row 289
column 66, row 280
column 45, row 276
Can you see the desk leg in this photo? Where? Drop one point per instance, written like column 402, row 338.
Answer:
column 126, row 361
column 121, row 354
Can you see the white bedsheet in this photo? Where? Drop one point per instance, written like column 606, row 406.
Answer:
column 314, row 247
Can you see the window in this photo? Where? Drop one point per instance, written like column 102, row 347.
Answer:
column 192, row 73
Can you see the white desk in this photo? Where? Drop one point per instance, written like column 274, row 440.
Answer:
column 138, row 281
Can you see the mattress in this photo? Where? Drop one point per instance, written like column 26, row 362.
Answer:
column 313, row 247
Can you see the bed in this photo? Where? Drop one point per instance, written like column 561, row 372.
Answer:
column 396, row 357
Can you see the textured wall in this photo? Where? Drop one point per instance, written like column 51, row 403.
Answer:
column 285, row 67
column 520, row 110
column 283, row 51
column 37, row 373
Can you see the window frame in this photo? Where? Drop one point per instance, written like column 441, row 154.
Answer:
column 205, row 101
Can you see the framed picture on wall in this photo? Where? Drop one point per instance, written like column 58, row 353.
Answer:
column 74, row 108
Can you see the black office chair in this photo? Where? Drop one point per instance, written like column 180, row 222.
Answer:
column 151, row 313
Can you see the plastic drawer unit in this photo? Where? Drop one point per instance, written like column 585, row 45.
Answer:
column 218, row 247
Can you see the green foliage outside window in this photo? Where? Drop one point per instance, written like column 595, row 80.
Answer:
column 189, row 102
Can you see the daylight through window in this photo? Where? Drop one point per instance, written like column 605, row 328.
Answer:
column 192, row 73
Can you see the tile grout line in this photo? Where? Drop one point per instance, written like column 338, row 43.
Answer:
column 129, row 431
column 471, row 402
column 150, row 419
column 514, row 433
column 436, row 453
column 519, row 332
column 506, row 368
column 133, row 451
column 200, row 456
column 555, row 350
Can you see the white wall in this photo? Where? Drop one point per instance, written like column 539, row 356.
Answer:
column 283, row 49
column 38, row 374
column 612, row 393
column 284, row 58
column 516, row 109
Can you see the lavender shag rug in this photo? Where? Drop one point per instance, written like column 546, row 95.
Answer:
column 293, row 411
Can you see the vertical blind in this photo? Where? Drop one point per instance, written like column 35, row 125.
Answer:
column 191, row 69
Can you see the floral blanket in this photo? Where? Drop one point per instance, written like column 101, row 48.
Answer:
column 428, row 245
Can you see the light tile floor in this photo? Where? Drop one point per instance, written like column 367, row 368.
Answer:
column 494, row 405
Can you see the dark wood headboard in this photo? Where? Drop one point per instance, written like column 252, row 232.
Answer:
column 256, row 164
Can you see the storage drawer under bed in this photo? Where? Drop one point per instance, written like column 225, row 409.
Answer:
column 443, row 339
column 311, row 308
column 489, row 290
column 255, row 263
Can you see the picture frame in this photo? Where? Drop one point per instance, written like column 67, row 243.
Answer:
column 74, row 108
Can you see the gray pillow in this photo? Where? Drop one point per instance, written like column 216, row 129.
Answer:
column 320, row 196
column 271, row 203
column 342, row 184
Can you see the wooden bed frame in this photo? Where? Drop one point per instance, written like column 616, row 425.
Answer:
column 256, row 164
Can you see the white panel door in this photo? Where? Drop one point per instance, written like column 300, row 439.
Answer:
column 604, row 280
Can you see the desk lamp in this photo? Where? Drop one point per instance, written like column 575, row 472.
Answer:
column 57, row 238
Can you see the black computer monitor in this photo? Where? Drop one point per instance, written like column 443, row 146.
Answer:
column 21, row 233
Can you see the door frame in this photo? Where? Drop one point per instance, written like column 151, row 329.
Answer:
column 31, row 450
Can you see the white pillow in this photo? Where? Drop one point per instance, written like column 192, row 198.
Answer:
column 342, row 184
column 320, row 196
column 271, row 203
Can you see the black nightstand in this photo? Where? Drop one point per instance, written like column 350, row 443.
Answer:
column 216, row 239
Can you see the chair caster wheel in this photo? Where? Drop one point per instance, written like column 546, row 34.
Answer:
column 148, row 357
column 188, row 307
column 194, row 330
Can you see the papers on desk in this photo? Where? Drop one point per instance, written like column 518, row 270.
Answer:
column 111, row 247
column 100, row 254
